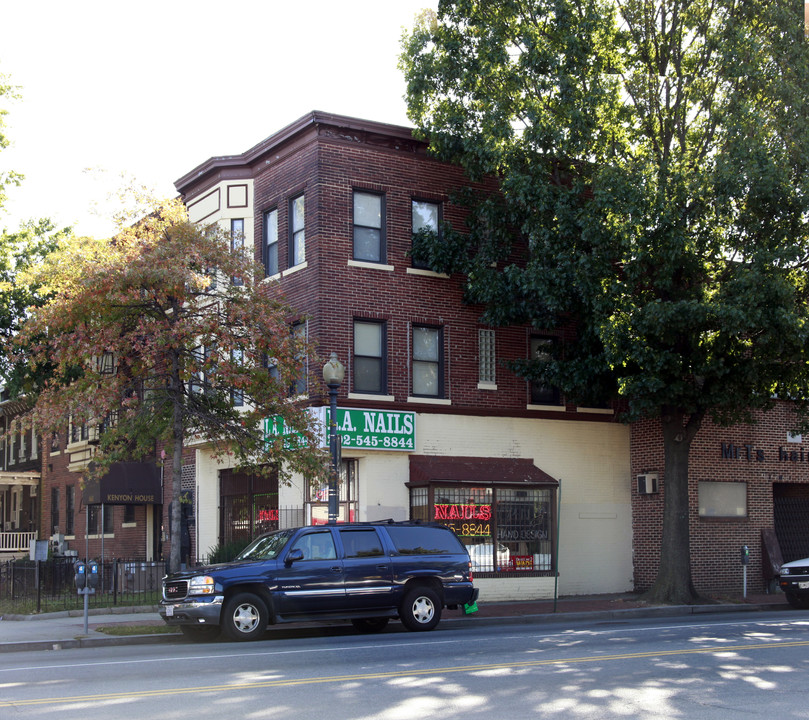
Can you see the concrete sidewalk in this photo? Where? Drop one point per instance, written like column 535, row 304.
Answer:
column 62, row 630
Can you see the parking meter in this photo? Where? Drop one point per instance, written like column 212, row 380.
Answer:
column 92, row 574
column 745, row 555
column 80, row 575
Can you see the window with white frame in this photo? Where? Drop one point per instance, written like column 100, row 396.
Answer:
column 369, row 229
column 297, row 236
column 428, row 361
column 237, row 242
column 425, row 216
column 370, row 357
column 300, row 385
column 12, row 443
column 486, row 357
column 237, row 394
column 271, row 242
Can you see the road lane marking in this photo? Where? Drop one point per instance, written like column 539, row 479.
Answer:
column 102, row 697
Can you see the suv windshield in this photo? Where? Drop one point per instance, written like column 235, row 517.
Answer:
column 266, row 547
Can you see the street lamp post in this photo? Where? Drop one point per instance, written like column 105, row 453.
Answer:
column 333, row 373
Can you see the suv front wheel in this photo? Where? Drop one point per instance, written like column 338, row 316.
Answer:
column 244, row 617
column 421, row 609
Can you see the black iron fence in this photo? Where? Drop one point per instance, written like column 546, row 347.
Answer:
column 28, row 586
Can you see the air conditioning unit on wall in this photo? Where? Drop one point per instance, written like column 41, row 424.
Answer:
column 647, row 484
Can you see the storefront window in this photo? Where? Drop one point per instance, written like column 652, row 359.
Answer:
column 505, row 530
column 317, row 496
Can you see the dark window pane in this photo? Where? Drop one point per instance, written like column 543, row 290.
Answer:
column 367, row 245
column 368, row 375
column 423, row 540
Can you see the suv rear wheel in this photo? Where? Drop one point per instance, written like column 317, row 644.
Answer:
column 244, row 617
column 421, row 609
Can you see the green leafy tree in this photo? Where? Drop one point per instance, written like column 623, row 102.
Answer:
column 19, row 252
column 652, row 159
column 162, row 334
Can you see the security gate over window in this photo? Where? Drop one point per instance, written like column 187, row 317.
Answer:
column 248, row 505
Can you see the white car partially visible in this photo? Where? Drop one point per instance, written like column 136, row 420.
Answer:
column 793, row 579
column 482, row 557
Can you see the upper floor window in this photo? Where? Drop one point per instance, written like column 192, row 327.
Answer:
column 78, row 432
column 12, row 442
column 237, row 242
column 369, row 230
column 203, row 368
column 541, row 394
column 297, row 238
column 428, row 361
column 425, row 216
column 237, row 394
column 271, row 242
column 370, row 361
column 299, row 386
column 486, row 357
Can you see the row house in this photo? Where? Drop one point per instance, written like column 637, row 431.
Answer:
column 20, row 469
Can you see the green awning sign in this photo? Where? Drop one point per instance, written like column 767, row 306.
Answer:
column 361, row 429
column 375, row 429
column 275, row 426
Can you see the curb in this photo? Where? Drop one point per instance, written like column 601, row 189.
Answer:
column 86, row 642
column 114, row 610
column 673, row 611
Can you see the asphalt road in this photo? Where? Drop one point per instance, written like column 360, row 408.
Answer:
column 718, row 666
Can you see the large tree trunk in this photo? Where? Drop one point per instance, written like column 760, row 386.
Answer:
column 175, row 521
column 673, row 583
column 175, row 556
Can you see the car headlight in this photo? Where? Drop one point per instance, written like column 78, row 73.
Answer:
column 784, row 571
column 201, row 585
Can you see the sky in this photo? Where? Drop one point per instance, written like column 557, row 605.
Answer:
column 148, row 90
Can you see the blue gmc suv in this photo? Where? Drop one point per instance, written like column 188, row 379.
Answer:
column 363, row 572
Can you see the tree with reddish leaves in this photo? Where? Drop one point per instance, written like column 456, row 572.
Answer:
column 163, row 335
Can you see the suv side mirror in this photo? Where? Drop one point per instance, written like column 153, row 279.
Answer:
column 293, row 556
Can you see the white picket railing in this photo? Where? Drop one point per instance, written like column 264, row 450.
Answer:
column 15, row 541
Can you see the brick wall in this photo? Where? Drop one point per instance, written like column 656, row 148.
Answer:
column 332, row 292
column 750, row 454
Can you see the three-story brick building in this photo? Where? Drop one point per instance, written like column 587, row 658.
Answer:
column 433, row 424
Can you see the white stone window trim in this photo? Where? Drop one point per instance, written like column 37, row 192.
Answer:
column 371, row 396
column 295, row 268
column 429, row 400
column 596, row 411
column 426, row 273
column 370, row 265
